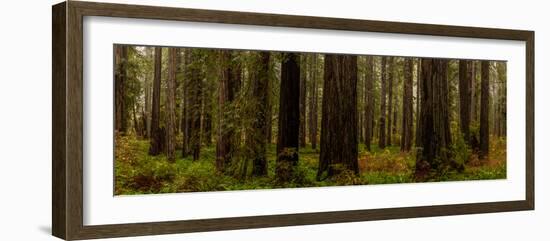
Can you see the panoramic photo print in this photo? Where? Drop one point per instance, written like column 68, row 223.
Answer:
column 200, row 119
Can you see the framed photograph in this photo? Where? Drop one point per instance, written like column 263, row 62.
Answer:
column 171, row 120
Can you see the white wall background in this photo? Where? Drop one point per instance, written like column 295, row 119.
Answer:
column 25, row 120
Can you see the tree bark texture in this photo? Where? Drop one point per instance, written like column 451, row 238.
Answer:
column 436, row 136
column 171, row 106
column 157, row 135
column 407, row 120
column 339, row 117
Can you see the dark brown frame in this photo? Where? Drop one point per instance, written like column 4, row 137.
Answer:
column 67, row 121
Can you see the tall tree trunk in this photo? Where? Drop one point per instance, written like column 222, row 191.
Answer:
column 484, row 111
column 369, row 92
column 303, row 89
column 157, row 137
column 206, row 116
column 465, row 89
column 390, row 100
column 407, row 120
column 382, row 121
column 475, row 91
column 271, row 103
column 171, row 106
column 501, row 69
column 289, row 117
column 339, row 117
column 186, row 119
column 182, row 98
column 229, row 77
column 195, row 102
column 148, row 98
column 418, row 134
column 260, row 93
column 313, row 114
column 436, row 135
column 269, row 113
column 121, row 59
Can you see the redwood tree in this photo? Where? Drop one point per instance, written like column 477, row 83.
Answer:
column 339, row 116
column 390, row 100
column 230, row 77
column 407, row 120
column 313, row 100
column 289, row 117
column 121, row 76
column 434, row 152
column 157, row 137
column 195, row 77
column 484, row 111
column 303, row 89
column 382, row 121
column 465, row 89
column 418, row 129
column 369, row 92
column 260, row 93
column 171, row 106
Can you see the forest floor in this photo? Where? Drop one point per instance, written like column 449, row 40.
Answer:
column 138, row 173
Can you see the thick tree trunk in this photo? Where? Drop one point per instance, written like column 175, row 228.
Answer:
column 436, row 136
column 313, row 115
column 339, row 117
column 121, row 59
column 195, row 102
column 369, row 92
column 260, row 93
column 303, row 89
column 382, row 120
column 484, row 111
column 289, row 117
column 157, row 137
column 171, row 106
column 407, row 120
column 465, row 92
column 229, row 77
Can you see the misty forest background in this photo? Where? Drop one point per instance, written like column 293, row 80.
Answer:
column 189, row 119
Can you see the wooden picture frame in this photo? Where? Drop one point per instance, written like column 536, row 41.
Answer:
column 67, row 123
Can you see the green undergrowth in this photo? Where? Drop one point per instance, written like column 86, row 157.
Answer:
column 138, row 173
